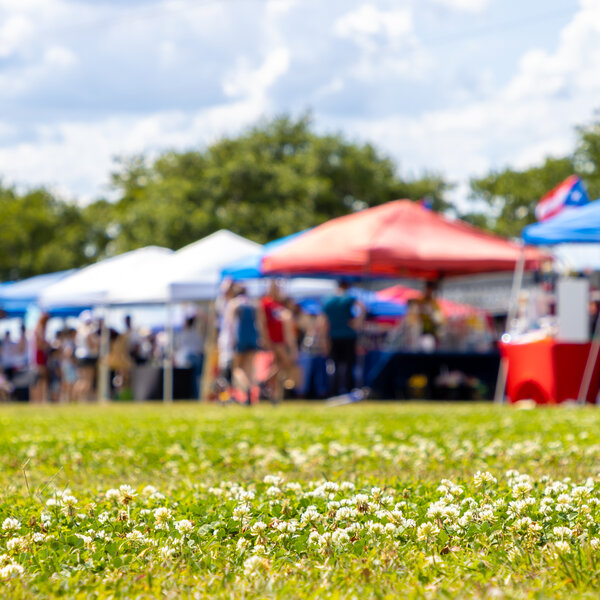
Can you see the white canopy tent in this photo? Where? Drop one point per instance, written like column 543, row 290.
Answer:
column 578, row 257
column 90, row 286
column 190, row 274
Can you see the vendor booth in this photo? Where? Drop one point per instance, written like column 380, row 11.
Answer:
column 404, row 239
column 559, row 362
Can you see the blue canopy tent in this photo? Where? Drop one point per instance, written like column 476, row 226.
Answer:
column 251, row 267
column 578, row 225
column 574, row 226
column 17, row 297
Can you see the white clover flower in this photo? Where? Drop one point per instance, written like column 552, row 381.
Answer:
column 167, row 552
column 340, row 538
column 595, row 543
column 347, row 486
column 362, row 502
column 517, row 508
column 483, row 478
column 436, row 510
column 240, row 511
column 258, row 527
column 427, row 531
column 162, row 516
column 375, row 528
column 314, row 538
column 559, row 548
column 136, row 536
column 487, row 515
column 293, row 486
column 254, row 565
column 345, row 513
column 273, row 491
column 126, row 494
column 310, row 515
column 376, row 493
column 275, row 480
column 396, row 515
column 562, row 532
column 149, row 490
column 103, row 517
column 112, row 494
column 11, row 570
column 51, row 502
column 10, row 524
column 16, row 544
column 242, row 545
column 287, row 526
column 522, row 489
column 38, row 537
column 184, row 527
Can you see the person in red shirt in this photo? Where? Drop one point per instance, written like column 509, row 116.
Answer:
column 277, row 324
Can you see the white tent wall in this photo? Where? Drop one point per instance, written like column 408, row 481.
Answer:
column 192, row 273
column 90, row 286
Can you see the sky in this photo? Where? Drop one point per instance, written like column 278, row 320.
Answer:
column 456, row 87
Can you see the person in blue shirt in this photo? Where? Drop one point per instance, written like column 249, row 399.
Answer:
column 343, row 316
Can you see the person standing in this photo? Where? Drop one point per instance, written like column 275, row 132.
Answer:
column 40, row 351
column 342, row 319
column 190, row 348
column 276, row 321
column 246, row 342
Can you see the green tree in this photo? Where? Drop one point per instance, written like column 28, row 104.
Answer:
column 39, row 234
column 587, row 156
column 277, row 178
column 509, row 197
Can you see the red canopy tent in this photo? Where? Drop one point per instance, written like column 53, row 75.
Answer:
column 402, row 294
column 397, row 239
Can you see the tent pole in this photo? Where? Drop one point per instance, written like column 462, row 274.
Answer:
column 103, row 370
column 512, row 313
column 168, row 360
column 210, row 350
column 586, row 380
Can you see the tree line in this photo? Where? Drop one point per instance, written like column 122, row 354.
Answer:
column 274, row 179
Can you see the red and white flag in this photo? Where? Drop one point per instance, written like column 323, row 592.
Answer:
column 570, row 193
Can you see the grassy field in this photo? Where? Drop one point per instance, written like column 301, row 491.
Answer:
column 299, row 501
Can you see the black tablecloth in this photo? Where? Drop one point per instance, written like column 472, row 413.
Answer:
column 147, row 383
column 389, row 374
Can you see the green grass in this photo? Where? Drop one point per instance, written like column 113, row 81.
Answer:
column 398, row 511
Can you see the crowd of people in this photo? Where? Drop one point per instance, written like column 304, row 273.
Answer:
column 63, row 367
column 280, row 329
column 265, row 348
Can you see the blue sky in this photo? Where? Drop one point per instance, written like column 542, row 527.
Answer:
column 452, row 86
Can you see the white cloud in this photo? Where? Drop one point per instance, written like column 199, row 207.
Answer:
column 367, row 23
column 15, row 32
column 78, row 156
column 254, row 82
column 472, row 6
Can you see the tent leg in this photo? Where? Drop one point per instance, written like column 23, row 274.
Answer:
column 168, row 361
column 103, row 395
column 512, row 313
column 210, row 350
column 586, row 380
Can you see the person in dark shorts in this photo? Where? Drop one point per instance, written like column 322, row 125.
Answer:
column 246, row 342
column 341, row 321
